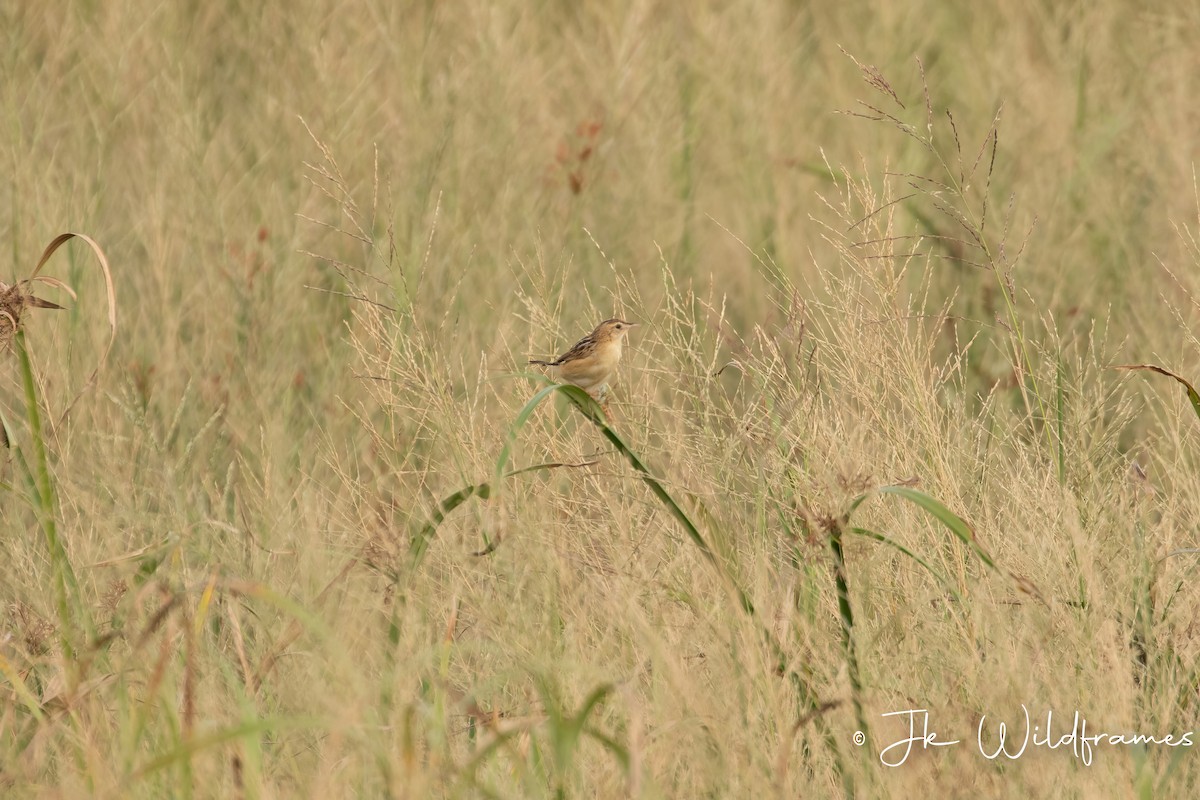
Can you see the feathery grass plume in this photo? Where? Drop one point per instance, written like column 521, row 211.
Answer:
column 957, row 190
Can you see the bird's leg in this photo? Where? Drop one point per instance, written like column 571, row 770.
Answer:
column 601, row 397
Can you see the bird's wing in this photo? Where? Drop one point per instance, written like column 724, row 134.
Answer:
column 582, row 348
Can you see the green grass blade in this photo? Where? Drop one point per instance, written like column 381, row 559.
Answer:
column 939, row 577
column 954, row 523
column 518, row 423
column 597, row 697
column 13, row 675
column 846, row 614
column 71, row 610
column 1192, row 395
column 613, row 746
column 186, row 750
column 420, row 543
column 592, row 411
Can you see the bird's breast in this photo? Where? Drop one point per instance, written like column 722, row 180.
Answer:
column 592, row 370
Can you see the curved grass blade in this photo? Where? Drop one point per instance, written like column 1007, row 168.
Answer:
column 518, row 423
column 879, row 537
column 483, row 491
column 420, row 542
column 110, row 296
column 591, row 409
column 502, row 739
column 565, row 729
column 1192, row 394
column 613, row 746
column 954, row 523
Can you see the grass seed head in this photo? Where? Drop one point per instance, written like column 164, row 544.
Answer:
column 13, row 302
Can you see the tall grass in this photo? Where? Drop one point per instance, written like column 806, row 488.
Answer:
column 867, row 453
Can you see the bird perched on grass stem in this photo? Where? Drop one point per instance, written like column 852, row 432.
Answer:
column 594, row 358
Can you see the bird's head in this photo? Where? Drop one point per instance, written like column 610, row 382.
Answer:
column 612, row 330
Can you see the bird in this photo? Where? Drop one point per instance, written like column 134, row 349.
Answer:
column 592, row 362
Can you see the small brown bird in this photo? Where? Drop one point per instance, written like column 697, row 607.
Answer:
column 593, row 360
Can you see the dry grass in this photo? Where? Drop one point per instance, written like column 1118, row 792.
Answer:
column 339, row 233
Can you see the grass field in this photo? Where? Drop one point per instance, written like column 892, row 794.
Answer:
column 313, row 531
